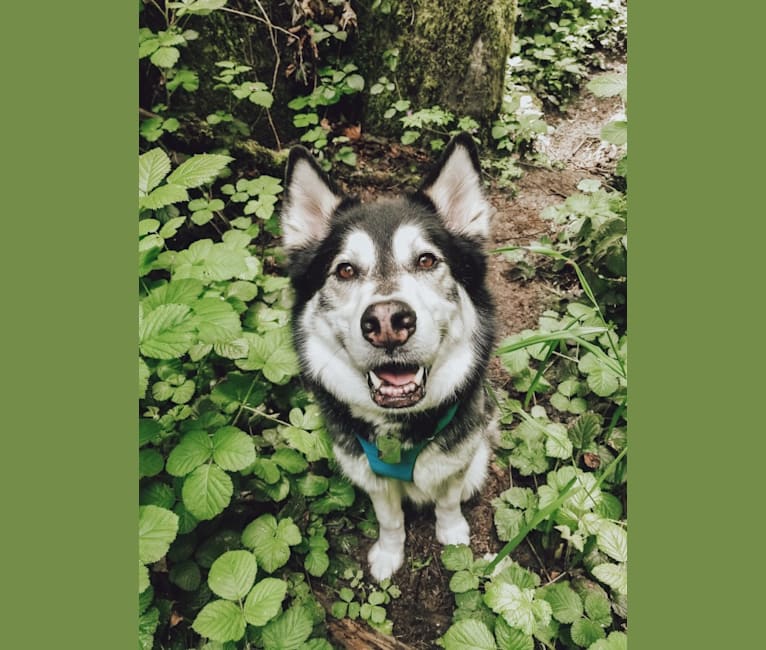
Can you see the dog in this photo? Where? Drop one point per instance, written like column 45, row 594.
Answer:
column 393, row 325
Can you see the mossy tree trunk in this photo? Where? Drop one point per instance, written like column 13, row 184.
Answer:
column 452, row 53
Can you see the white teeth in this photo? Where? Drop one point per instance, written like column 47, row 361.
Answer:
column 377, row 382
column 419, row 375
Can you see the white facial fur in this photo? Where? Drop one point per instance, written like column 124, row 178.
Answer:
column 340, row 356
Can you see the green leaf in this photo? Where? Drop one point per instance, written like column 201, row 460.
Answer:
column 281, row 365
column 157, row 493
column 199, row 169
column 457, row 557
column 265, row 601
column 157, row 528
column 180, row 292
column 356, row 82
column 557, row 443
column 289, row 630
column 614, row 575
column 143, row 377
column 508, row 522
column 262, row 98
column 312, row 485
column 150, row 463
column 509, row 638
column 186, row 575
column 207, row 491
column 221, row 621
column 585, row 632
column 463, row 581
column 216, row 320
column 143, row 577
column 147, row 625
column 153, row 166
column 290, row 460
column 565, row 604
column 340, row 496
column 390, row 449
column 598, row 609
column 583, row 431
column 613, row 540
column 194, row 449
column 162, row 196
column 615, row 132
column 615, row 641
column 232, row 575
column 518, row 606
column 408, row 137
column 201, row 7
column 271, row 541
column 609, row 85
column 469, row 634
column 602, row 381
column 148, row 431
column 233, row 449
column 316, row 563
column 165, row 57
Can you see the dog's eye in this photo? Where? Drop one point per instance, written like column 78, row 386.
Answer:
column 426, row 261
column 345, row 271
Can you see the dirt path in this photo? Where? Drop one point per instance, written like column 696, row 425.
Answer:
column 576, row 151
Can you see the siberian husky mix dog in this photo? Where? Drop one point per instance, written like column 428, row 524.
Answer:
column 393, row 326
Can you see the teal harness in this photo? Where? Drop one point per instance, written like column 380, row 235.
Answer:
column 404, row 469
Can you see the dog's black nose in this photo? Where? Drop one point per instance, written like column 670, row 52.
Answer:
column 388, row 324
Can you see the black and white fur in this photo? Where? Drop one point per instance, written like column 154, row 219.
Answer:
column 393, row 323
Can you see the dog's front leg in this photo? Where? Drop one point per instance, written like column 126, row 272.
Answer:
column 387, row 554
column 451, row 526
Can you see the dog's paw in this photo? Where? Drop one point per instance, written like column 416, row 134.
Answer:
column 384, row 563
column 456, row 533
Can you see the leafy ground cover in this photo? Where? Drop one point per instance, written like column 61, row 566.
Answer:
column 248, row 536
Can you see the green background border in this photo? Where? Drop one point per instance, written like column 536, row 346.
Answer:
column 696, row 226
column 69, row 457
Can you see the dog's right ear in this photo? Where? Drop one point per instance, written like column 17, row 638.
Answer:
column 310, row 200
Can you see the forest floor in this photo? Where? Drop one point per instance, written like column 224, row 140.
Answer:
column 424, row 611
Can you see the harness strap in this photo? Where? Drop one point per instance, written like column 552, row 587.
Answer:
column 405, row 468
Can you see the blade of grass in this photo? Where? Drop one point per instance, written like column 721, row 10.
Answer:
column 549, row 252
column 540, row 515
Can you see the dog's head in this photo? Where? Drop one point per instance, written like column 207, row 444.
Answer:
column 391, row 309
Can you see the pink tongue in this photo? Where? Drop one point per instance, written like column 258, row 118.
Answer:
column 396, row 378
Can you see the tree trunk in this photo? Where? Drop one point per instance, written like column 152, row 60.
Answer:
column 452, row 53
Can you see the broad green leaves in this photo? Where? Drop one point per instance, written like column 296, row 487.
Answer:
column 220, row 620
column 609, row 85
column 518, row 606
column 469, row 635
column 264, row 601
column 207, row 491
column 232, row 577
column 154, row 165
column 207, row 488
column 157, row 528
column 271, row 540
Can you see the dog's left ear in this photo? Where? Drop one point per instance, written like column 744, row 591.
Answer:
column 454, row 188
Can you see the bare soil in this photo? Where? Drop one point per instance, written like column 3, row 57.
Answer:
column 424, row 611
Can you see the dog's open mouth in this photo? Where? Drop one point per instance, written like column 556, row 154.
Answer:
column 394, row 386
